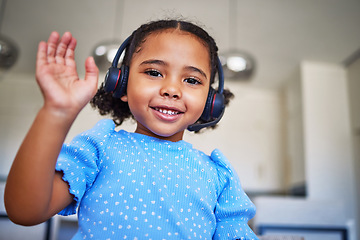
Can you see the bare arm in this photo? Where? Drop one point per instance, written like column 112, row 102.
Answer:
column 34, row 191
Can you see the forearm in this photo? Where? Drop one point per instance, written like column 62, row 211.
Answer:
column 34, row 192
column 30, row 183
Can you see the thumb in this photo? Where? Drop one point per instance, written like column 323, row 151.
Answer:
column 91, row 70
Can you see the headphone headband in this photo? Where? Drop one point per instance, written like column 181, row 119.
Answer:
column 221, row 76
column 121, row 49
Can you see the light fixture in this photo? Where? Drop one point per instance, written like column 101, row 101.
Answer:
column 105, row 51
column 237, row 64
column 8, row 49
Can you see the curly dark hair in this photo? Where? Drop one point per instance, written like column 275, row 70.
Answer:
column 119, row 110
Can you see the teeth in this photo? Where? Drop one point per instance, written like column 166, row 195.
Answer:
column 169, row 112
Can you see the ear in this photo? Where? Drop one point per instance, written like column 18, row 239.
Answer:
column 124, row 98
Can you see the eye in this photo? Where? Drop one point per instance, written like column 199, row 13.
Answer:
column 153, row 73
column 192, row 81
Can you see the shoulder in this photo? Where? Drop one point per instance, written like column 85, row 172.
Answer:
column 95, row 139
column 216, row 158
column 102, row 130
column 225, row 170
column 221, row 161
column 101, row 127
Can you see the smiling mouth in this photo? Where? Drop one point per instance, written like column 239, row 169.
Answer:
column 166, row 111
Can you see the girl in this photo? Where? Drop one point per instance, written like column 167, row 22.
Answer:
column 149, row 184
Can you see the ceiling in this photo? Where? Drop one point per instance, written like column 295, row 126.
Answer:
column 278, row 33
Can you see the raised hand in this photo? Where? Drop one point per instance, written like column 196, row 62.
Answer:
column 58, row 79
column 33, row 167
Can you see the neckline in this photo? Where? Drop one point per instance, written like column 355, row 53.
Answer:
column 145, row 138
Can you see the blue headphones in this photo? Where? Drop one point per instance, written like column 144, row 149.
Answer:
column 116, row 82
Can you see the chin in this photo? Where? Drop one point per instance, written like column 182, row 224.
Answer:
column 165, row 134
column 168, row 135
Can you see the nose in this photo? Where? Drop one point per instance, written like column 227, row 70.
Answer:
column 170, row 89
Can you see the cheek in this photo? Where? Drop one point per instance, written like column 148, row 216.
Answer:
column 197, row 103
column 134, row 96
column 141, row 89
column 138, row 94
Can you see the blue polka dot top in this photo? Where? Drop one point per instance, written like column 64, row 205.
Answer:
column 131, row 186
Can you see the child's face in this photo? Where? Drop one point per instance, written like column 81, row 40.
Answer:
column 168, row 83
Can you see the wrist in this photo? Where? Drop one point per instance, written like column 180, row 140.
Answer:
column 56, row 115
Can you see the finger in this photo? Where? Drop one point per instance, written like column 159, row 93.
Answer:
column 41, row 59
column 51, row 46
column 41, row 56
column 70, row 52
column 91, row 71
column 62, row 47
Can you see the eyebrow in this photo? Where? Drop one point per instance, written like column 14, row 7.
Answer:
column 154, row 61
column 191, row 68
column 160, row 62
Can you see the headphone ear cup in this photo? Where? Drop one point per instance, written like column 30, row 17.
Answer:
column 111, row 79
column 116, row 80
column 218, row 105
column 206, row 115
column 120, row 88
column 214, row 107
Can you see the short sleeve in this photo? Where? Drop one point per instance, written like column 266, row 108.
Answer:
column 79, row 163
column 234, row 208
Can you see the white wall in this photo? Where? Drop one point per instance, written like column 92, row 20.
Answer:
column 19, row 101
column 250, row 134
column 320, row 138
column 327, row 138
column 353, row 72
column 329, row 162
column 293, row 118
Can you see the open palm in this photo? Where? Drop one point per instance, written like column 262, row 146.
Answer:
column 58, row 79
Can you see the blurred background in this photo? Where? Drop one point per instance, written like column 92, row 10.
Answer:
column 292, row 131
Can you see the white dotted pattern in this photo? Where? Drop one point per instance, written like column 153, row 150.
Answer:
column 131, row 186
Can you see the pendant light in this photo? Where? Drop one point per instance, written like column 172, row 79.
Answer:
column 237, row 64
column 8, row 48
column 105, row 51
